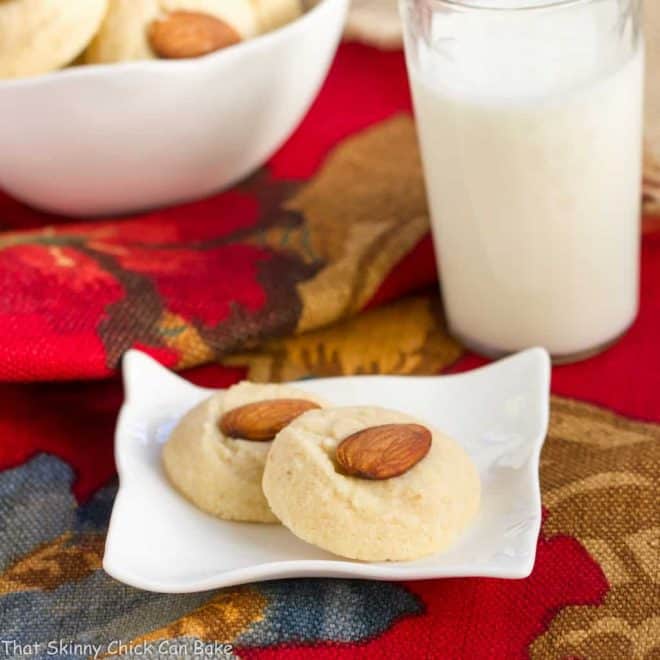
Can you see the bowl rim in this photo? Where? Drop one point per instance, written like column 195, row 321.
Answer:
column 173, row 65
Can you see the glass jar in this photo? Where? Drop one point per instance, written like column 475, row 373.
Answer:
column 529, row 115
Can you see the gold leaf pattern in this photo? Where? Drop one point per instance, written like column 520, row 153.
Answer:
column 52, row 564
column 595, row 463
column 645, row 546
column 406, row 337
column 227, row 614
column 597, row 482
column 365, row 210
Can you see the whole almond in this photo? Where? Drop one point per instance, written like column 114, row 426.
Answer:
column 182, row 34
column 382, row 452
column 263, row 420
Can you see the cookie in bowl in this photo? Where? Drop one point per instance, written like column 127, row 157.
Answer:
column 370, row 484
column 38, row 36
column 172, row 29
column 216, row 454
column 272, row 14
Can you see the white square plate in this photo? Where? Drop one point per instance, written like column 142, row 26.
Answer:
column 160, row 542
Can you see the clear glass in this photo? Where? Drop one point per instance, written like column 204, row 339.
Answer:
column 529, row 116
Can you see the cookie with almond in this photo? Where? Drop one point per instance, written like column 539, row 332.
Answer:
column 371, row 484
column 172, row 29
column 216, row 454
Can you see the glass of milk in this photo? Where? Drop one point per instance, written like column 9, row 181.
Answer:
column 529, row 115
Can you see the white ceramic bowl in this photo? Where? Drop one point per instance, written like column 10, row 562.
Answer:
column 109, row 139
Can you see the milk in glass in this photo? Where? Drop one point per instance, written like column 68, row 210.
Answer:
column 529, row 124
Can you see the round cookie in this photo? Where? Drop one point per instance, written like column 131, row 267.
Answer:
column 219, row 474
column 417, row 513
column 38, row 36
column 272, row 14
column 124, row 33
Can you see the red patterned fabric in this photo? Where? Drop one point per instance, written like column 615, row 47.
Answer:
column 190, row 283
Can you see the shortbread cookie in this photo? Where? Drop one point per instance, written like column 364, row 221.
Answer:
column 38, row 36
column 124, row 34
column 272, row 14
column 209, row 459
column 370, row 484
